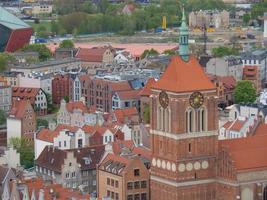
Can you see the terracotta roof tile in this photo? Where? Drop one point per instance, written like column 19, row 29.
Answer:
column 261, row 129
column 237, row 125
column 183, row 76
column 128, row 94
column 25, row 93
column 146, row 91
column 61, row 127
column 77, row 105
column 94, row 54
column 121, row 114
column 227, row 124
column 241, row 149
column 47, row 135
column 120, row 86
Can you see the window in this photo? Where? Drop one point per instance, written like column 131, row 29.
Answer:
column 59, row 144
column 116, row 184
column 130, row 197
column 143, row 196
column 112, row 182
column 67, row 175
column 65, row 143
column 73, row 174
column 108, row 193
column 70, row 164
column 130, row 185
column 143, row 184
column 137, row 197
column 136, row 185
column 108, row 181
column 116, row 196
column 137, row 172
column 112, row 195
column 189, row 147
column 80, row 143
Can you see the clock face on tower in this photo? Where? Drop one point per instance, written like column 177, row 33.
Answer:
column 163, row 99
column 196, row 99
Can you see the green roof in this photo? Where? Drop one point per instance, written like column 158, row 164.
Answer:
column 11, row 21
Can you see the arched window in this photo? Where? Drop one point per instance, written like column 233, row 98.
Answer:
column 190, row 116
column 202, row 119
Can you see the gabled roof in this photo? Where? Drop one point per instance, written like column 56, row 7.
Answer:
column 121, row 114
column 128, row 95
column 241, row 149
column 120, row 86
column 25, row 93
column 181, row 76
column 146, row 91
column 77, row 105
column 94, row 54
column 261, row 129
column 47, row 135
column 11, row 21
column 51, row 158
column 89, row 157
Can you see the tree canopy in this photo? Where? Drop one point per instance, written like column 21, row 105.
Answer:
column 245, row 92
column 258, row 9
column 44, row 52
column 41, row 123
column 66, row 44
column 149, row 52
column 2, row 117
column 224, row 51
column 5, row 58
column 25, row 148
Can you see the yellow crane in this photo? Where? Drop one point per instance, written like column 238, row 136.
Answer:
column 164, row 23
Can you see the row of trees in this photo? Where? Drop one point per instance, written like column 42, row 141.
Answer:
column 79, row 17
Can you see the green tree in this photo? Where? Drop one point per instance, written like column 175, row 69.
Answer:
column 41, row 123
column 55, row 27
column 224, row 51
column 103, row 6
column 25, row 148
column 246, row 18
column 245, row 92
column 170, row 52
column 146, row 114
column 5, row 58
column 66, row 44
column 67, row 99
column 151, row 52
column 2, row 117
column 258, row 9
column 44, row 52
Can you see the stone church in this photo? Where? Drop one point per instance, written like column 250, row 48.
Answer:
column 188, row 160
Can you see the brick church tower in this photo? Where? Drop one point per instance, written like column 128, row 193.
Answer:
column 183, row 130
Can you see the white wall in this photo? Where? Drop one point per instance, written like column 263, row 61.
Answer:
column 39, row 146
column 265, row 28
column 108, row 137
column 64, row 139
column 13, row 128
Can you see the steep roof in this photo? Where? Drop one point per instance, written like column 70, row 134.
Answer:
column 77, row 105
column 146, row 91
column 241, row 149
column 25, row 93
column 261, row 129
column 94, row 54
column 11, row 21
column 89, row 157
column 181, row 76
column 121, row 114
column 47, row 135
column 128, row 94
column 51, row 158
column 120, row 86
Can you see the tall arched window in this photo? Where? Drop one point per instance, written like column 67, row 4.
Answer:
column 190, row 116
column 202, row 119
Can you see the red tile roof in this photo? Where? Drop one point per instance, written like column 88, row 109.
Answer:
column 237, row 125
column 241, row 149
column 47, row 135
column 227, row 124
column 77, row 105
column 120, row 86
column 183, row 76
column 61, row 127
column 261, row 129
column 128, row 95
column 229, row 82
column 25, row 93
column 53, row 190
column 94, row 54
column 121, row 114
column 146, row 91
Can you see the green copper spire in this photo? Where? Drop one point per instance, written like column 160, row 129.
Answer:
column 183, row 39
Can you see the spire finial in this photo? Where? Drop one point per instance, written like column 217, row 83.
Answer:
column 183, row 39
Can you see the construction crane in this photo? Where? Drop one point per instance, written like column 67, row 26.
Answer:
column 164, row 23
